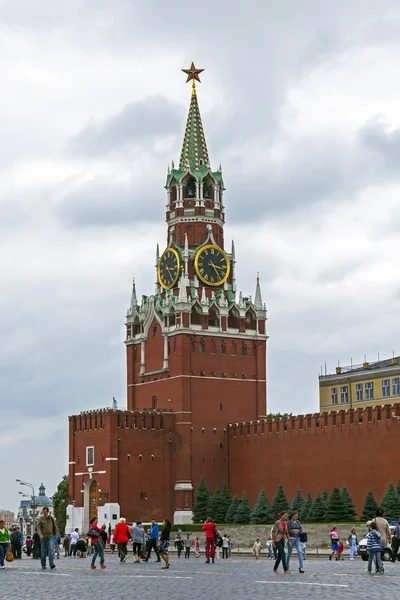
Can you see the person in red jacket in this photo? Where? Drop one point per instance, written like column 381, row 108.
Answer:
column 209, row 528
column 122, row 534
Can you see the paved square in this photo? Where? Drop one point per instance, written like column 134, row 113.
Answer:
column 233, row 578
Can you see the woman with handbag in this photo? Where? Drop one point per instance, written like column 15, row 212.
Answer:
column 279, row 534
column 4, row 543
column 122, row 535
column 98, row 550
column 295, row 530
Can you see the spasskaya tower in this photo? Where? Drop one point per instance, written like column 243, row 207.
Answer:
column 196, row 348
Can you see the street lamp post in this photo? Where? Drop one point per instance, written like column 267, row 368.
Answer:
column 33, row 501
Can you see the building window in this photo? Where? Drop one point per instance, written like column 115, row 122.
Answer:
column 359, row 392
column 385, row 388
column 154, row 402
column 89, row 456
column 395, row 386
column 333, row 395
column 244, row 349
column 344, row 394
column 223, row 347
column 369, row 390
column 202, row 346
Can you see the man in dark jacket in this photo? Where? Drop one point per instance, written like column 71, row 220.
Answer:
column 16, row 543
column 47, row 530
column 104, row 536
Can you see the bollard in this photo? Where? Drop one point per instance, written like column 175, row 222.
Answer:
column 238, row 551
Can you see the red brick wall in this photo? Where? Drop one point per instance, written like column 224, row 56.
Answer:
column 360, row 455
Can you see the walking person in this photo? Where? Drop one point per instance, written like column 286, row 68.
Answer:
column 353, row 543
column 122, row 534
column 47, row 530
column 374, row 548
column 334, row 543
column 112, row 543
column 66, row 542
column 36, row 546
column 382, row 527
column 73, row 539
column 197, row 548
column 104, row 536
column 4, row 542
column 187, row 546
column 164, row 543
column 56, row 547
column 153, row 541
column 294, row 530
column 225, row 546
column 29, row 544
column 256, row 548
column 16, row 543
column 98, row 550
column 209, row 528
column 279, row 535
column 178, row 545
column 137, row 533
column 396, row 542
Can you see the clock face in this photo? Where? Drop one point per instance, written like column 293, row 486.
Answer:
column 212, row 265
column 168, row 268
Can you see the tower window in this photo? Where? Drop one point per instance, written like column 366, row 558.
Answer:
column 244, row 376
column 154, row 330
column 220, row 406
column 223, row 347
column 223, row 375
column 154, row 402
column 202, row 374
column 244, row 349
column 202, row 346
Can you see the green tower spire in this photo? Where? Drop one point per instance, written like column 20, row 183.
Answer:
column 194, row 153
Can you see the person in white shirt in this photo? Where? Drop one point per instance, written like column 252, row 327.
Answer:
column 74, row 538
column 257, row 548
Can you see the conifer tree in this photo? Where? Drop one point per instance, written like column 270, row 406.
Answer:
column 224, row 504
column 348, row 504
column 307, row 506
column 231, row 512
column 391, row 503
column 317, row 511
column 369, row 508
column 260, row 512
column 398, row 487
column 298, row 501
column 216, row 506
column 279, row 503
column 336, row 511
column 325, row 499
column 210, row 506
column 242, row 515
column 201, row 502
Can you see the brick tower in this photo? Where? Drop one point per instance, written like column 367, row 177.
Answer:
column 194, row 348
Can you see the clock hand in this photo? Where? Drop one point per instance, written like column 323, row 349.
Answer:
column 216, row 266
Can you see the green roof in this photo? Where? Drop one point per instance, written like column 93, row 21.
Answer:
column 194, row 155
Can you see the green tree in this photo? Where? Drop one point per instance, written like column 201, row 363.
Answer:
column 391, row 503
column 317, row 512
column 297, row 502
column 307, row 506
column 278, row 415
column 210, row 506
column 279, row 503
column 398, row 487
column 260, row 512
column 215, row 507
column 369, row 508
column 325, row 499
column 231, row 512
column 348, row 504
column 242, row 515
column 336, row 510
column 224, row 503
column 201, row 502
column 60, row 503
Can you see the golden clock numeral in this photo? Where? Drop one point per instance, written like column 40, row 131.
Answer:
column 206, row 277
column 206, row 252
column 201, row 271
column 212, row 250
column 212, row 279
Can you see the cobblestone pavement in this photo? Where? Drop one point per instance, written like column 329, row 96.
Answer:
column 234, row 578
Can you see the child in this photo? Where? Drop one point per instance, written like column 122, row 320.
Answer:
column 334, row 543
column 197, row 548
column 257, row 548
column 340, row 550
column 112, row 544
column 29, row 544
column 374, row 548
column 268, row 545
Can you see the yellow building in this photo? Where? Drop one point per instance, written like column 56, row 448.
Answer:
column 369, row 384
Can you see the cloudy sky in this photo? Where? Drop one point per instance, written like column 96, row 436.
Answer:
column 301, row 105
